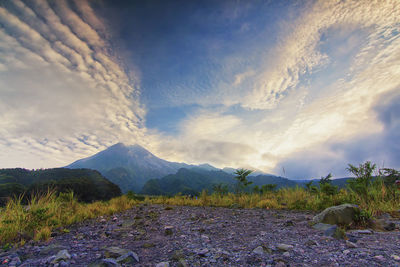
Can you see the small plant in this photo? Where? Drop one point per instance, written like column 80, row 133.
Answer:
column 242, row 182
column 363, row 179
column 326, row 187
column 220, row 189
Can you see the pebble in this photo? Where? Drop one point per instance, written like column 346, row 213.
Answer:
column 163, row 264
column 395, row 257
column 204, row 242
column 284, row 247
column 350, row 244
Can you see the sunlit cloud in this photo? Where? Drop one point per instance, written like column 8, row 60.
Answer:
column 302, row 110
column 63, row 95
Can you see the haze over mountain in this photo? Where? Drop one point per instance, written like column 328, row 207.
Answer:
column 128, row 166
column 135, row 168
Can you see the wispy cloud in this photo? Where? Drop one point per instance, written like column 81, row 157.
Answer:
column 63, row 94
column 306, row 99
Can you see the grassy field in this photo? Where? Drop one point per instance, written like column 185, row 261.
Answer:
column 45, row 213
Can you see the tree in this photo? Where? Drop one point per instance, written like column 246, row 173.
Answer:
column 326, row 187
column 363, row 179
column 242, row 182
column 220, row 189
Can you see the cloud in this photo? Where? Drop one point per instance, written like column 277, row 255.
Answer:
column 311, row 110
column 63, row 94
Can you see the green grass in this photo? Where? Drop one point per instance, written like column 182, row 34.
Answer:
column 45, row 213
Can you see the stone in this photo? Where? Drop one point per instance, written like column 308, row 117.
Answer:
column 61, row 255
column 182, row 263
column 259, row 251
column 344, row 214
column 322, row 226
column 177, row 255
column 395, row 257
column 202, row 252
column 379, row 258
column 331, row 231
column 51, row 249
column 286, row 254
column 115, row 252
column 128, row 258
column 346, row 251
column 382, row 225
column 104, row 263
column 311, row 242
column 168, row 230
column 163, row 264
column 363, row 232
column 284, row 247
column 280, row 264
column 350, row 244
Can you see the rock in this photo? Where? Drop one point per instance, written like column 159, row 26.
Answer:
column 382, row 225
column 168, row 230
column 115, row 252
column 288, row 223
column 311, row 243
column 182, row 263
column 259, row 251
column 395, row 257
column 363, row 232
column 51, row 249
column 202, row 252
column 128, row 258
column 104, row 263
column 322, row 226
column 350, row 244
column 344, row 214
column 61, row 255
column 284, row 247
column 346, row 251
column 331, row 230
column 286, row 254
column 280, row 264
column 379, row 258
column 177, row 255
column 163, row 264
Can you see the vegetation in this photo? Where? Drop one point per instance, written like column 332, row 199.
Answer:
column 87, row 185
column 46, row 212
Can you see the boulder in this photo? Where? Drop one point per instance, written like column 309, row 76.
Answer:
column 344, row 214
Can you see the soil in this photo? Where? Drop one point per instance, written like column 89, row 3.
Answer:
column 209, row 236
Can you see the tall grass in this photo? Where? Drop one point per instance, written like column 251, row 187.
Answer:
column 290, row 198
column 48, row 211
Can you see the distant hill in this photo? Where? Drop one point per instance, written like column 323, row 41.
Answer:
column 88, row 185
column 340, row 182
column 130, row 167
column 194, row 180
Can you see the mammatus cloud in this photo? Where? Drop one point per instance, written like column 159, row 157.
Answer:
column 63, row 93
column 308, row 106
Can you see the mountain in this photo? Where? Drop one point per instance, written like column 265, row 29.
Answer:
column 128, row 166
column 88, row 185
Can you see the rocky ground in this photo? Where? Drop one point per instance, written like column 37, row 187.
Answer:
column 197, row 236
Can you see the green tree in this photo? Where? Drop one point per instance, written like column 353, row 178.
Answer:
column 242, row 182
column 363, row 179
column 220, row 189
column 268, row 188
column 326, row 187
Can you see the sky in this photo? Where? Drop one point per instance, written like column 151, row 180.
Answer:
column 293, row 88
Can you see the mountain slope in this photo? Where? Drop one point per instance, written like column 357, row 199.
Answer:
column 128, row 166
